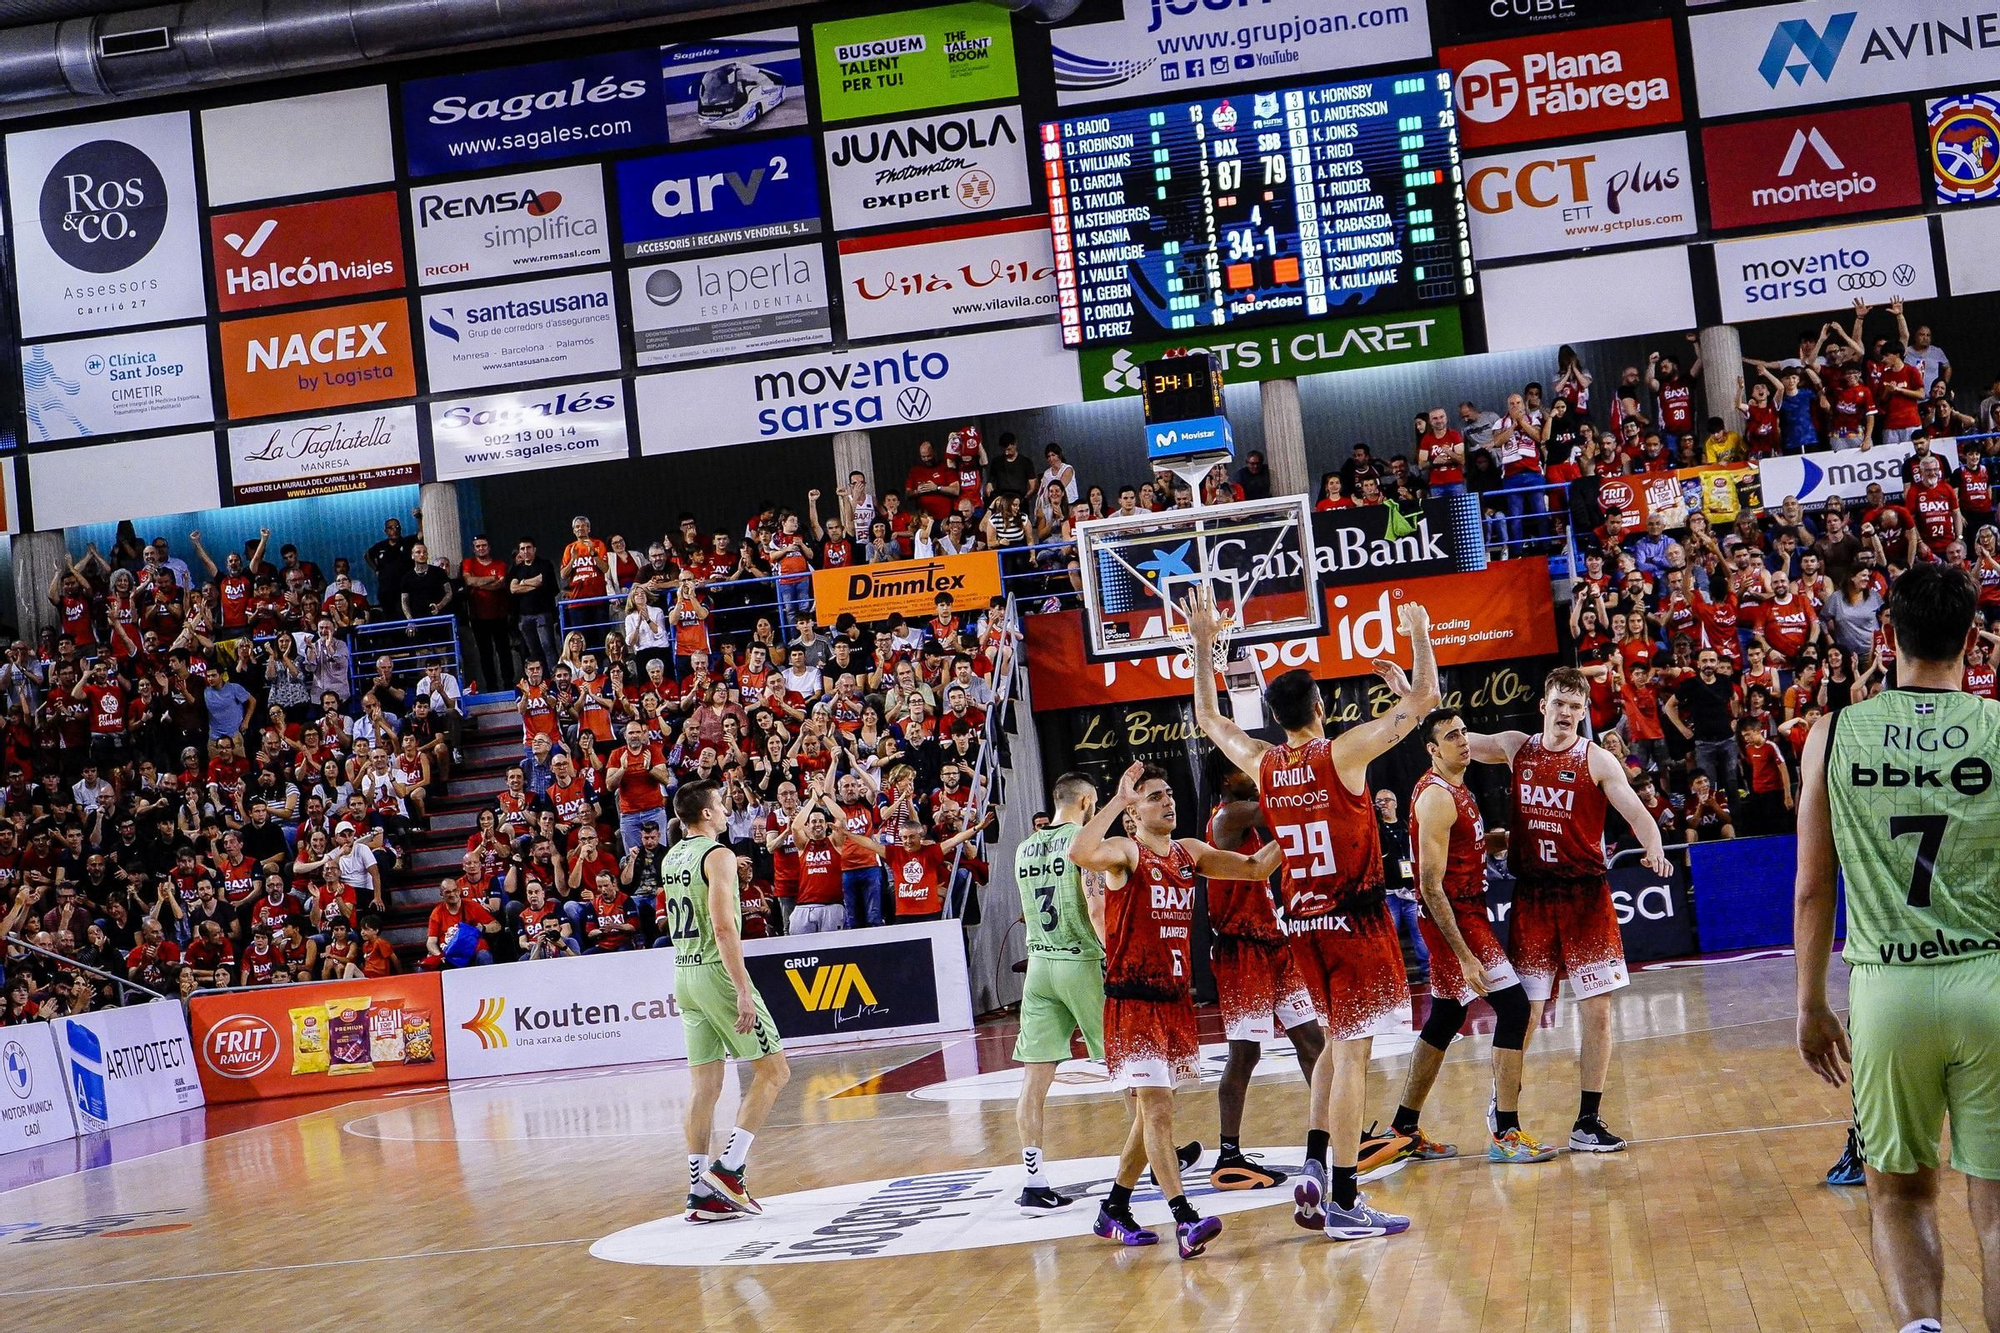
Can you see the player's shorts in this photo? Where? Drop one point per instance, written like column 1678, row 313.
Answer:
column 1926, row 1042
column 708, row 1016
column 1568, row 929
column 1259, row 988
column 1447, row 978
column 1352, row 965
column 1151, row 1043
column 1063, row 995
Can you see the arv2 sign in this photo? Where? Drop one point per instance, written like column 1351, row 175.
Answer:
column 733, row 195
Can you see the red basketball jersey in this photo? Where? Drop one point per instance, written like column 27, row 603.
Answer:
column 1241, row 908
column 1148, row 924
column 1333, row 854
column 1465, row 859
column 1558, row 823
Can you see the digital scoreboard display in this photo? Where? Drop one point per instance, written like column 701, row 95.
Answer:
column 1264, row 208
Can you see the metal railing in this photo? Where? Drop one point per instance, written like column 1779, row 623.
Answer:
column 122, row 983
column 734, row 607
column 412, row 645
column 986, row 770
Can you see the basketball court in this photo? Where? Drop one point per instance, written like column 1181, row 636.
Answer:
column 888, row 1175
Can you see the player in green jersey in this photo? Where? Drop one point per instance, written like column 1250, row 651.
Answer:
column 1064, row 910
column 701, row 910
column 1900, row 795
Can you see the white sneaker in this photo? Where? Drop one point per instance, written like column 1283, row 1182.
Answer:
column 1362, row 1222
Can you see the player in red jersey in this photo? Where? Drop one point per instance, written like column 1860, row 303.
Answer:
column 1564, row 923
column 1149, row 1025
column 1314, row 791
column 1257, row 985
column 1448, row 842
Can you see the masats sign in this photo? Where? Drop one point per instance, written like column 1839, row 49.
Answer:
column 947, row 166
column 1820, row 165
column 505, row 226
column 534, row 113
column 306, row 252
column 1548, row 87
column 1604, row 193
column 1818, row 52
column 1482, row 616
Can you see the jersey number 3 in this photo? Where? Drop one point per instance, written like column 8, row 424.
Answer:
column 1314, row 840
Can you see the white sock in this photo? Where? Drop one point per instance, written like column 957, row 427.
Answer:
column 1922, row 1326
column 736, row 1149
column 1032, row 1159
column 697, row 1163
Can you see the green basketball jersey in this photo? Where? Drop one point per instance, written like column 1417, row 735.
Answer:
column 1916, row 825
column 1052, row 896
column 684, row 903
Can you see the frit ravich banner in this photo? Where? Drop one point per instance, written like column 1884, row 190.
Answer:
column 1285, row 353
column 331, row 1036
column 1507, row 610
column 872, row 592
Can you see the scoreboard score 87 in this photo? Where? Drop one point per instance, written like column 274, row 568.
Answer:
column 1261, row 208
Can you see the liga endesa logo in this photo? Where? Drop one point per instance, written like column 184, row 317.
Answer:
column 1566, row 83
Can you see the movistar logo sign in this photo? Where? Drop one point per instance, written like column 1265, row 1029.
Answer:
column 1797, row 47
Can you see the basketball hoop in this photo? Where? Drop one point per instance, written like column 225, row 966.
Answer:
column 1219, row 652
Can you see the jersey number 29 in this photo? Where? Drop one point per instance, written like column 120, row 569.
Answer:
column 1315, row 840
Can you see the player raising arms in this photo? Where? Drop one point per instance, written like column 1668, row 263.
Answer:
column 1564, row 922
column 1314, row 791
column 1064, row 911
column 1448, row 838
column 1899, row 795
column 1149, row 1025
column 702, row 912
column 1257, row 986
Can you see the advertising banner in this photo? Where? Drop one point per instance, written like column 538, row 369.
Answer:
column 733, row 85
column 522, row 331
column 114, row 384
column 1639, row 496
column 310, row 360
column 534, row 113
column 106, row 225
column 986, row 272
column 324, row 455
column 1284, row 353
column 267, row 150
column 528, row 429
column 730, row 305
column 1191, row 49
column 1541, row 305
column 1809, row 54
column 1819, row 165
column 1353, row 545
column 1964, row 138
column 329, row 1036
column 1549, row 86
column 34, row 1109
column 881, row 982
column 1505, row 611
column 525, row 1018
column 873, row 592
column 1972, row 250
column 1005, row 370
column 1518, row 18
column 307, row 252
column 912, row 59
column 103, row 483
column 1582, row 195
column 1655, row 916
column 1844, row 474
column 510, row 226
column 733, row 195
column 947, row 166
column 127, row 1064
column 1806, row 272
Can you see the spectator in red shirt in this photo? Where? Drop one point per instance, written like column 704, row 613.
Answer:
column 1933, row 504
column 456, row 909
column 821, row 902
column 609, row 921
column 1902, row 396
column 1853, row 411
column 637, row 772
column 917, row 866
column 1768, row 807
column 932, row 486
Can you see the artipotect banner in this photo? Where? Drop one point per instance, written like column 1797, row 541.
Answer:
column 128, row 1064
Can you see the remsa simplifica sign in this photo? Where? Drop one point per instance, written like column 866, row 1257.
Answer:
column 510, row 226
column 534, row 113
column 936, row 379
column 951, row 166
column 1287, row 352
column 1805, row 272
column 1583, row 195
column 529, row 429
column 730, row 305
column 1812, row 53
column 737, row 194
column 523, row 331
column 118, row 383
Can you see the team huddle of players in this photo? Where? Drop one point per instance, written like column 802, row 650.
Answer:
column 1108, row 894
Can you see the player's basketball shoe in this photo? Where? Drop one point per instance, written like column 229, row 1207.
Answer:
column 1493, row 1112
column 1122, row 1229
column 1590, row 1135
column 1361, row 1222
column 1421, row 1149
column 1038, row 1199
column 1237, row 1171
column 1308, row 1191
column 1847, row 1171
column 1380, row 1148
column 704, row 1206
column 1515, row 1148
column 1194, row 1236
column 729, row 1185
column 1187, row 1155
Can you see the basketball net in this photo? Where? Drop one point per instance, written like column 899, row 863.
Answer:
column 1219, row 652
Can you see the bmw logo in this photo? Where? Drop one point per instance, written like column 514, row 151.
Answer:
column 94, row 365
column 1904, row 274
column 20, row 1075
column 663, row 287
column 914, row 404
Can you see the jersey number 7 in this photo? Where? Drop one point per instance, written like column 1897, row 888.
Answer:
column 1930, row 836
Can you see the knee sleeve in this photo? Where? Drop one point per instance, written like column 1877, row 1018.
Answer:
column 1447, row 1016
column 1510, row 1018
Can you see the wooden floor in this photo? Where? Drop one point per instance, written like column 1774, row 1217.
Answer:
column 479, row 1208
